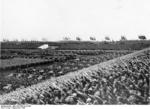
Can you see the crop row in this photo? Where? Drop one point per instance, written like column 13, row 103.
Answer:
column 44, row 53
column 93, row 52
column 24, row 62
column 24, row 77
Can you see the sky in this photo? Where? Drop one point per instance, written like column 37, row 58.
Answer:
column 55, row 19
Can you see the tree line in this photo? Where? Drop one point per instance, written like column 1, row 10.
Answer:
column 107, row 38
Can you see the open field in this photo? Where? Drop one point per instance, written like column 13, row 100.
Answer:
column 124, row 80
column 23, row 77
column 75, row 73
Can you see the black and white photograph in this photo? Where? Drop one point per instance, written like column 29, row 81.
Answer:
column 74, row 52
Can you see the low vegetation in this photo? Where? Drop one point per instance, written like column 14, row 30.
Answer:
column 124, row 80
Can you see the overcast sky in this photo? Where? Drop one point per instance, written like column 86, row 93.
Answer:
column 54, row 19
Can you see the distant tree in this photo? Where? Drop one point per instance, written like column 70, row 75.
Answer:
column 92, row 38
column 123, row 38
column 78, row 38
column 23, row 40
column 107, row 38
column 15, row 40
column 5, row 40
column 142, row 37
column 113, row 41
column 33, row 40
column 66, row 38
column 44, row 39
